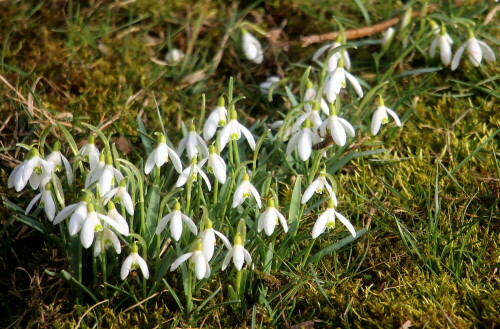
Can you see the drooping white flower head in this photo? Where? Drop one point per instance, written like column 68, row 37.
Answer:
column 193, row 144
column 251, row 47
column 337, row 127
column 174, row 56
column 104, row 239
column 233, row 131
column 216, row 165
column 335, row 57
column 312, row 115
column 266, row 85
column 90, row 152
column 238, row 253
column 387, row 36
column 176, row 217
column 34, row 170
column 197, row 260
column 310, row 95
column 208, row 240
column 107, row 176
column 244, row 190
column 336, row 80
column 120, row 194
column 191, row 173
column 327, row 220
column 269, row 218
column 380, row 117
column 121, row 223
column 132, row 262
column 160, row 155
column 94, row 223
column 78, row 212
column 58, row 160
column 303, row 141
column 443, row 42
column 318, row 186
column 46, row 202
column 217, row 118
column 476, row 50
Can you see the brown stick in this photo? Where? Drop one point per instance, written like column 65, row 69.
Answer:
column 358, row 33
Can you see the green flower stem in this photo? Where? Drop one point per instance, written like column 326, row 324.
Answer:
column 236, row 152
column 238, row 284
column 103, row 266
column 216, row 192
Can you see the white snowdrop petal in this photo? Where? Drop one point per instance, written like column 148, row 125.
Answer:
column 456, row 58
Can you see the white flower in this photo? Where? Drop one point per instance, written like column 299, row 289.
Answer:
column 327, row 219
column 193, row 143
column 208, row 240
column 337, row 127
column 303, row 141
column 310, row 95
column 266, row 85
column 34, row 170
column 216, row 119
column 197, row 260
column 269, row 218
column 318, row 186
column 380, row 117
column 244, row 190
column 335, row 57
column 90, row 152
column 120, row 194
column 58, row 159
column 78, row 212
column 121, row 224
column 216, row 165
column 238, row 253
column 174, row 56
column 175, row 218
column 46, row 201
column 132, row 262
column 476, row 49
column 105, row 239
column 444, row 42
column 94, row 223
column 233, row 131
column 387, row 36
column 106, row 176
column 90, row 176
column 251, row 47
column 336, row 80
column 192, row 172
column 160, row 155
column 312, row 115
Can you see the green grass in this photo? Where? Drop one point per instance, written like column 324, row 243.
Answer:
column 430, row 202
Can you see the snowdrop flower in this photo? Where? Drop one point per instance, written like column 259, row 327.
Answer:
column 94, row 223
column 216, row 119
column 120, row 194
column 192, row 172
column 244, row 190
column 78, row 212
column 208, row 240
column 160, row 155
column 58, row 159
column 175, row 218
column 337, row 127
column 238, row 253
column 387, row 37
column 174, row 56
column 476, row 49
column 303, row 141
column 34, row 170
column 90, row 176
column 336, row 80
column 310, row 95
column 251, row 47
column 216, row 165
column 444, row 42
column 122, row 225
column 335, row 57
column 197, row 260
column 105, row 239
column 193, row 143
column 132, row 262
column 266, row 85
column 46, row 201
column 233, row 130
column 90, row 152
column 318, row 186
column 327, row 220
column 380, row 116
column 269, row 218
column 312, row 115
column 106, row 176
